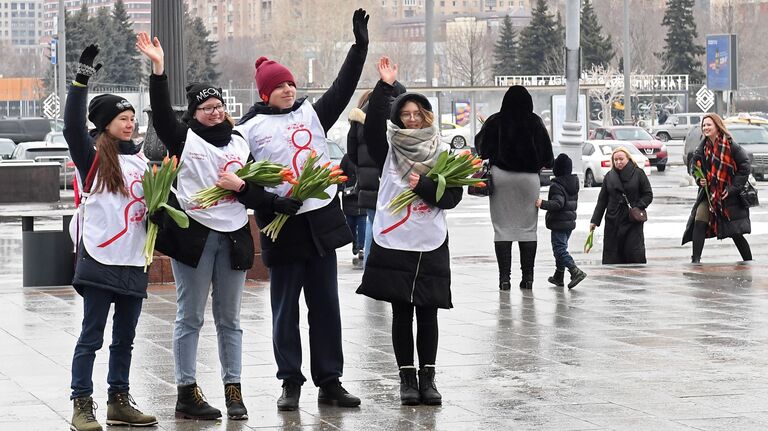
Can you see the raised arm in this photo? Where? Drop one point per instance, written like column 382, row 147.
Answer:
column 379, row 106
column 81, row 144
column 170, row 130
column 331, row 104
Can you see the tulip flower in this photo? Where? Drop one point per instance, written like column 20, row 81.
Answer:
column 157, row 186
column 263, row 173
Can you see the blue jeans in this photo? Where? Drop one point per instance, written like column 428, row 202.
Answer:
column 96, row 303
column 317, row 277
column 560, row 249
column 370, row 215
column 192, row 287
column 356, row 224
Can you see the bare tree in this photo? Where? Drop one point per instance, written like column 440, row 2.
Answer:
column 610, row 92
column 468, row 52
column 15, row 64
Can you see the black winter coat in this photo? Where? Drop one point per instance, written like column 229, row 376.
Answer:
column 122, row 279
column 186, row 245
column 739, row 223
column 319, row 232
column 624, row 241
column 368, row 172
column 419, row 278
column 561, row 203
column 350, row 188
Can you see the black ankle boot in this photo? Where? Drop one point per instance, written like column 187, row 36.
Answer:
column 234, row 398
column 289, row 399
column 557, row 277
column 577, row 276
column 191, row 404
column 409, row 387
column 427, row 389
column 527, row 281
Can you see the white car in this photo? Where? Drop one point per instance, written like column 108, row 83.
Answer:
column 454, row 135
column 596, row 159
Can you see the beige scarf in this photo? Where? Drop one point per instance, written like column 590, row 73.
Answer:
column 413, row 150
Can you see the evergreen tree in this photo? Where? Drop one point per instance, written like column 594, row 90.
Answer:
column 538, row 42
column 101, row 30
column 199, row 51
column 596, row 48
column 124, row 67
column 505, row 50
column 681, row 52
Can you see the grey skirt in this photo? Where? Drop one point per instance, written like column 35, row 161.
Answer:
column 513, row 210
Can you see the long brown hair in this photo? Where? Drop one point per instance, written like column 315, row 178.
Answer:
column 110, row 175
column 364, row 98
column 718, row 123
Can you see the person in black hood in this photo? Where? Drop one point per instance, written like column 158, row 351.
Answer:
column 625, row 186
column 409, row 264
column 110, row 263
column 213, row 254
column 517, row 146
column 303, row 257
column 561, row 219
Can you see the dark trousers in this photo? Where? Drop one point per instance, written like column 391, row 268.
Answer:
column 700, row 234
column 96, row 303
column 321, row 292
column 402, row 334
column 356, row 224
column 563, row 259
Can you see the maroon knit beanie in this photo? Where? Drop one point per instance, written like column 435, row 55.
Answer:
column 270, row 74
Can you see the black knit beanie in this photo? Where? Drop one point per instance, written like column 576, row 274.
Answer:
column 563, row 165
column 199, row 92
column 105, row 107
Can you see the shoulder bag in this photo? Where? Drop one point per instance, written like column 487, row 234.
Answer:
column 748, row 195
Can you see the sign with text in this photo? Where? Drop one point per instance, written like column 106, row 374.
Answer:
column 638, row 82
column 722, row 64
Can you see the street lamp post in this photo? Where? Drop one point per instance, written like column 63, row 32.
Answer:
column 627, row 68
column 571, row 139
column 61, row 58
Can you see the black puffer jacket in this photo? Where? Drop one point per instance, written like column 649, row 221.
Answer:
column 739, row 223
column 561, row 203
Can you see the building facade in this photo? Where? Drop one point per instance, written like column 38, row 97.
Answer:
column 139, row 12
column 21, row 24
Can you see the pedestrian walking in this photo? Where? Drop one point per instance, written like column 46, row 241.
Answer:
column 560, row 206
column 624, row 187
column 718, row 211
column 285, row 130
column 212, row 255
column 409, row 264
column 368, row 171
column 354, row 214
column 517, row 146
column 110, row 243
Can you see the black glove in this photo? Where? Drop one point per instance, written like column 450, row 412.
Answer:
column 360, row 27
column 288, row 206
column 85, row 67
column 158, row 217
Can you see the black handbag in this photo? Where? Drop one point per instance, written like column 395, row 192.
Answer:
column 485, row 175
column 748, row 195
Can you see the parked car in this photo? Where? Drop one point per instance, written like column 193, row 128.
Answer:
column 596, row 160
column 455, row 135
column 40, row 152
column 754, row 139
column 335, row 152
column 6, row 148
column 747, row 119
column 24, row 129
column 653, row 149
column 55, row 138
column 677, row 126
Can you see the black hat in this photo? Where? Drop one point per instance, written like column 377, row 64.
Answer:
column 105, row 107
column 397, row 105
column 563, row 165
column 199, row 92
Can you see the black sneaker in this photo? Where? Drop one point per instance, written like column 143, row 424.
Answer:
column 289, row 400
column 235, row 408
column 335, row 395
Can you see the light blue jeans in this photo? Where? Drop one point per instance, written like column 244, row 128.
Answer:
column 192, row 287
column 370, row 214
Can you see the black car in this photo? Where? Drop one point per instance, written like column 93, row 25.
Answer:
column 24, row 129
column 754, row 140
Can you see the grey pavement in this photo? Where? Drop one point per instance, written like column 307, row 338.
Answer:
column 662, row 346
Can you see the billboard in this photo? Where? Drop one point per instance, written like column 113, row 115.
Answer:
column 722, row 64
